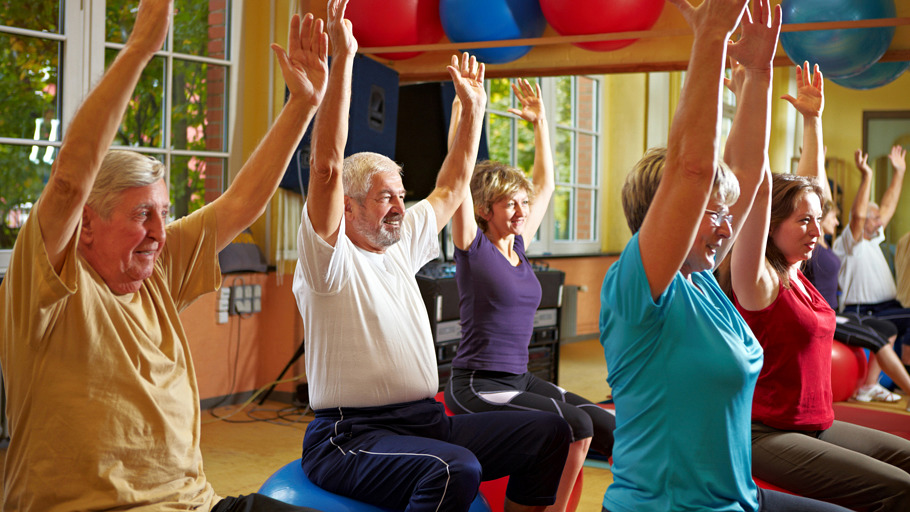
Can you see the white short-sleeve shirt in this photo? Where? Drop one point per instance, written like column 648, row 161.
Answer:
column 367, row 332
column 865, row 277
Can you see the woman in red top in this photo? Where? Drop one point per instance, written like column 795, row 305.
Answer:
column 796, row 443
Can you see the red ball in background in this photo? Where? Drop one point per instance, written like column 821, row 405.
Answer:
column 395, row 23
column 848, row 370
column 601, row 16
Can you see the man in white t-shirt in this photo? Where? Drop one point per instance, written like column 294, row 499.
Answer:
column 866, row 283
column 379, row 436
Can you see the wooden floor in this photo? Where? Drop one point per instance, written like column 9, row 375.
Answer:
column 240, row 452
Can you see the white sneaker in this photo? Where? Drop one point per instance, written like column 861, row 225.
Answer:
column 875, row 393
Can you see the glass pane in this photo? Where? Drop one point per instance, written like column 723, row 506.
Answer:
column 25, row 172
column 143, row 124
column 44, row 15
column 201, row 27
column 499, row 138
column 563, row 156
column 585, row 213
column 199, row 110
column 562, row 213
column 587, row 103
column 29, row 100
column 564, row 100
column 524, row 153
column 119, row 17
column 500, row 94
column 585, row 159
column 195, row 181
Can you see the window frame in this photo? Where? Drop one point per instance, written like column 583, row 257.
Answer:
column 82, row 64
column 544, row 244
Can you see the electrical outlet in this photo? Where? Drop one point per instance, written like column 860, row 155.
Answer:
column 257, row 298
column 222, row 305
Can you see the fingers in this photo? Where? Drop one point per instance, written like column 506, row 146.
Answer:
column 790, row 99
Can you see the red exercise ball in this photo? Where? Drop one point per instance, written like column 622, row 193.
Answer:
column 395, row 23
column 601, row 16
column 848, row 370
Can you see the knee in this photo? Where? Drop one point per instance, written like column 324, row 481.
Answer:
column 464, row 475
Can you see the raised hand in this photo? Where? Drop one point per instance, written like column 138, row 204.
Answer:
column 810, row 92
column 305, row 64
column 757, row 43
column 719, row 16
column 898, row 159
column 532, row 108
column 861, row 162
column 150, row 28
column 468, row 80
column 340, row 30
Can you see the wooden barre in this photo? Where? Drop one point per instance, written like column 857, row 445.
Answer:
column 615, row 36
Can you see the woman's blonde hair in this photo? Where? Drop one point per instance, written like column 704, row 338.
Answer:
column 492, row 182
column 121, row 170
column 642, row 182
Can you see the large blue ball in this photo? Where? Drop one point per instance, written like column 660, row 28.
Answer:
column 839, row 53
column 492, row 20
column 881, row 73
column 290, row 485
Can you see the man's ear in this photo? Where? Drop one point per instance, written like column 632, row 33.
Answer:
column 347, row 204
column 88, row 225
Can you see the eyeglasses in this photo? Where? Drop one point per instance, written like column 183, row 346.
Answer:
column 718, row 218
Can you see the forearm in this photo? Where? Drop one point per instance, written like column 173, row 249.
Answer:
column 860, row 205
column 542, row 174
column 249, row 193
column 812, row 157
column 746, row 151
column 891, row 197
column 330, row 131
column 693, row 138
column 454, row 178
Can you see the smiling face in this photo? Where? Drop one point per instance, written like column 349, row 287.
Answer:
column 873, row 222
column 707, row 239
column 795, row 237
column 376, row 219
column 123, row 248
column 507, row 216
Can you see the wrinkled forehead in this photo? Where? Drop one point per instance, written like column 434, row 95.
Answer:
column 386, row 181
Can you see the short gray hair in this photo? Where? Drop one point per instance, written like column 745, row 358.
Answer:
column 358, row 172
column 121, row 170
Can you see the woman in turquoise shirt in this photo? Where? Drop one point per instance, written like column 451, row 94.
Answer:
column 682, row 363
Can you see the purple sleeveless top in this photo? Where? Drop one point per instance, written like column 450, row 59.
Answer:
column 497, row 303
column 821, row 270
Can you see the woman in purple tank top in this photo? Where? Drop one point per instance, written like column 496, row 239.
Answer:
column 499, row 294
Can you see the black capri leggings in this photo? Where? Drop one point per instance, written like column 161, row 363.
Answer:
column 472, row 391
column 864, row 331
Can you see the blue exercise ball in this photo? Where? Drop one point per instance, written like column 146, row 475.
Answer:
column 881, row 73
column 839, row 53
column 492, row 20
column 290, row 485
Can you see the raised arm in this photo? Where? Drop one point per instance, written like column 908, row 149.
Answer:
column 532, row 111
column 92, row 130
column 861, row 201
column 305, row 68
column 810, row 103
column 888, row 206
column 454, row 179
column 671, row 224
column 464, row 225
column 746, row 150
column 325, row 198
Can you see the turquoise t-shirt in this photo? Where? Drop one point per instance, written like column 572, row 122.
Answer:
column 682, row 370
